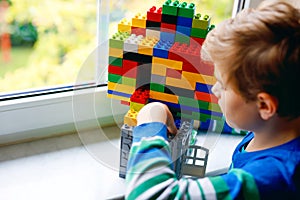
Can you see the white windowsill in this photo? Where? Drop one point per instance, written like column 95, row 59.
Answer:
column 56, row 114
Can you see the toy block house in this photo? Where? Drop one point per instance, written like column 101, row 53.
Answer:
column 156, row 57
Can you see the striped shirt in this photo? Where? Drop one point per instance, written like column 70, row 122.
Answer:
column 267, row 174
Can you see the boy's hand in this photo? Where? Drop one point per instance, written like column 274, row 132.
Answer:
column 157, row 112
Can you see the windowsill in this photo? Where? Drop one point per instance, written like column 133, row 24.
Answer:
column 64, row 168
column 49, row 115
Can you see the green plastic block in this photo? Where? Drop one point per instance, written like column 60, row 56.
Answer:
column 214, row 107
column 157, row 87
column 186, row 10
column 114, row 78
column 199, row 33
column 202, row 22
column 117, row 40
column 181, row 38
column 115, row 61
column 170, row 8
column 128, row 81
column 193, row 103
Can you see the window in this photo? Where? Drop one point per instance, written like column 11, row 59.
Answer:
column 72, row 36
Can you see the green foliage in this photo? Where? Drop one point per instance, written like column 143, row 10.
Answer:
column 66, row 36
column 23, row 34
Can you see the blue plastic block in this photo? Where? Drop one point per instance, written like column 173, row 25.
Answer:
column 119, row 93
column 203, row 87
column 169, row 37
column 184, row 21
column 161, row 49
column 184, row 30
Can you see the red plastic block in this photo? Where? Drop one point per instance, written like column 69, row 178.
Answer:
column 195, row 41
column 130, row 68
column 138, row 31
column 154, row 14
column 169, row 28
column 191, row 58
column 115, row 70
column 173, row 73
column 202, row 96
column 140, row 96
column 125, row 103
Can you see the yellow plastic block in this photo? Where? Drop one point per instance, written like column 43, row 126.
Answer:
column 164, row 96
column 139, row 21
column 159, row 69
column 136, row 106
column 172, row 64
column 130, row 118
column 181, row 83
column 192, row 77
column 118, row 97
column 117, row 53
column 120, row 88
column 124, row 26
column 210, row 80
column 146, row 45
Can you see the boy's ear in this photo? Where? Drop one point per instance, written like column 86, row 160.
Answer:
column 267, row 105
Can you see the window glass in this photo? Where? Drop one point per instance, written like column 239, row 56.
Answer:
column 44, row 43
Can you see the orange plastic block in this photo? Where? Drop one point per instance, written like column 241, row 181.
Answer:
column 181, row 83
column 173, row 64
column 124, row 26
column 146, row 45
column 120, row 88
column 139, row 20
column 130, row 118
column 164, row 97
column 159, row 69
column 121, row 98
column 114, row 52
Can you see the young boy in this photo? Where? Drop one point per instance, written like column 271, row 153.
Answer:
column 257, row 66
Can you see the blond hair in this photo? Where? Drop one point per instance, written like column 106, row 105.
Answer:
column 260, row 49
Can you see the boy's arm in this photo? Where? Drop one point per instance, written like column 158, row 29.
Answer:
column 149, row 169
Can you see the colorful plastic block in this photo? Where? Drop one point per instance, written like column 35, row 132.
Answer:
column 198, row 32
column 154, row 14
column 139, row 21
column 161, row 49
column 169, row 28
column 130, row 118
column 114, row 52
column 153, row 33
column 124, row 26
column 117, row 40
column 140, row 96
column 169, row 19
column 168, row 37
column 131, row 43
column 186, row 10
column 184, row 21
column 170, row 8
column 150, row 25
column 146, row 45
column 138, row 31
column 184, row 30
column 201, row 22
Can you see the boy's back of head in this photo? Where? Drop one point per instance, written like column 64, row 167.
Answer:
column 260, row 49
